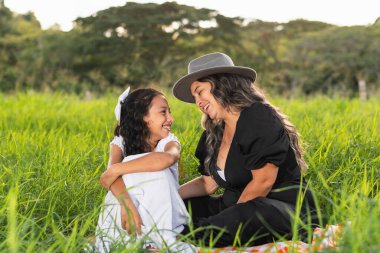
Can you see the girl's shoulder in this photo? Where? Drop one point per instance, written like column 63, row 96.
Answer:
column 162, row 143
column 118, row 141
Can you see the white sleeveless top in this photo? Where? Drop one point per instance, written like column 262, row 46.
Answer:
column 119, row 141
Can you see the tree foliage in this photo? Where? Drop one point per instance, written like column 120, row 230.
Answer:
column 334, row 60
column 143, row 44
column 138, row 43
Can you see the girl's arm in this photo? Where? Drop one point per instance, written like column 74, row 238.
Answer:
column 153, row 161
column 200, row 186
column 119, row 190
column 261, row 183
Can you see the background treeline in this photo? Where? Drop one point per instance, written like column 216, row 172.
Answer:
column 151, row 44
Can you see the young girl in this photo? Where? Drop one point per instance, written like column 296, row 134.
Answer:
column 143, row 196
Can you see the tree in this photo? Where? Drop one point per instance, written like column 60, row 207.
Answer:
column 265, row 45
column 128, row 44
column 16, row 32
column 337, row 59
column 143, row 43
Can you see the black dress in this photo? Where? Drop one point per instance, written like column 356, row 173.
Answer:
column 259, row 138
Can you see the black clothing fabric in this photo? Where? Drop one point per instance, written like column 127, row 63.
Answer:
column 259, row 138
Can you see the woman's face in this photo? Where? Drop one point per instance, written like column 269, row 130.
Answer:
column 205, row 101
column 159, row 119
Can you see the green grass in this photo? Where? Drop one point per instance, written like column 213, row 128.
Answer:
column 53, row 148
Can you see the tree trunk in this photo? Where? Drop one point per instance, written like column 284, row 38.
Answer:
column 362, row 89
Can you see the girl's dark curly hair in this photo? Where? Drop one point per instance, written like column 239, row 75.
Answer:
column 132, row 127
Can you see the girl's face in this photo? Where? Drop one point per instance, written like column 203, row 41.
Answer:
column 158, row 119
column 205, row 101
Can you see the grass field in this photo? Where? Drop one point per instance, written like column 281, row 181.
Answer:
column 53, row 148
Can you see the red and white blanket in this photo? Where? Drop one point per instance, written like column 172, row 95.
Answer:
column 322, row 238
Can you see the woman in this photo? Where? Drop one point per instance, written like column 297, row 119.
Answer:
column 250, row 149
column 151, row 206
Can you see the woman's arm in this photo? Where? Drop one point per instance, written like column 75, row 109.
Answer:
column 200, row 186
column 154, row 161
column 261, row 183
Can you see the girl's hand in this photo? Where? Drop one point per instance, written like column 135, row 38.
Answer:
column 130, row 218
column 109, row 176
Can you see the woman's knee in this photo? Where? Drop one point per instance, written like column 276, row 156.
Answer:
column 259, row 218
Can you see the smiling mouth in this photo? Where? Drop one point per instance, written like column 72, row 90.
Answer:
column 206, row 107
column 167, row 127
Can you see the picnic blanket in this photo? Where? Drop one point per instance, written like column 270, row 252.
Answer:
column 322, row 238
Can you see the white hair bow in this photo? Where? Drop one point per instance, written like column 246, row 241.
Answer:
column 118, row 105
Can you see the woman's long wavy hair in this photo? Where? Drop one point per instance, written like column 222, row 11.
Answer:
column 132, row 126
column 236, row 92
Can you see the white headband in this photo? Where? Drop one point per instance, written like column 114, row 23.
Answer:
column 118, row 105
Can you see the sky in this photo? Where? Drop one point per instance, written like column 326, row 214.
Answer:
column 337, row 12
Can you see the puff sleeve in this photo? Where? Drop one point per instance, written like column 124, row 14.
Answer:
column 261, row 137
column 119, row 142
column 162, row 143
column 201, row 154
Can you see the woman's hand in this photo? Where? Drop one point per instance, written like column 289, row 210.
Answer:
column 130, row 218
column 109, row 176
column 198, row 187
